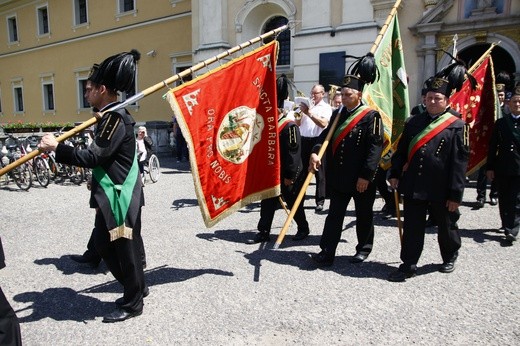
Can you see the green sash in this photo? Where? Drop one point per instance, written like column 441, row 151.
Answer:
column 119, row 197
column 348, row 125
column 429, row 132
column 283, row 122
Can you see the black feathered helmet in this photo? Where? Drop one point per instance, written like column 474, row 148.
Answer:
column 362, row 71
column 116, row 72
column 451, row 78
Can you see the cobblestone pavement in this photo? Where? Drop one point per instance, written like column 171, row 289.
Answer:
column 207, row 287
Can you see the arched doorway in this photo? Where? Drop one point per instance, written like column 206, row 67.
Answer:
column 502, row 60
column 284, row 39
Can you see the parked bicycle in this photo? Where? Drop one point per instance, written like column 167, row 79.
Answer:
column 40, row 167
column 22, row 174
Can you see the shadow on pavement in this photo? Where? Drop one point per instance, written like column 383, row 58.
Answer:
column 61, row 304
column 67, row 266
column 483, row 235
column 65, row 304
column 184, row 203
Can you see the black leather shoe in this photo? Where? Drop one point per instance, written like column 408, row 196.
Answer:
column 493, row 201
column 93, row 263
column 358, row 258
column 389, row 215
column 146, row 293
column 300, row 235
column 260, row 237
column 447, row 267
column 510, row 237
column 119, row 315
column 399, row 276
column 319, row 208
column 323, row 259
column 480, row 203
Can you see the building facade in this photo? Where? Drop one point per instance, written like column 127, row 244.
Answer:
column 47, row 47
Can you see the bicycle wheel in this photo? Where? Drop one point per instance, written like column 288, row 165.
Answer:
column 154, row 168
column 23, row 176
column 76, row 174
column 42, row 172
column 4, row 179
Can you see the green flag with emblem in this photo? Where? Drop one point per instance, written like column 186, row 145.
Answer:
column 389, row 95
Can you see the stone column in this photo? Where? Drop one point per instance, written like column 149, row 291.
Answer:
column 213, row 27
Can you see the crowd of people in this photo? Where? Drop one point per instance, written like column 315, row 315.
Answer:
column 427, row 169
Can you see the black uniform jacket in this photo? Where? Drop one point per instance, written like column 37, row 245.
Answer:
column 504, row 149
column 290, row 152
column 113, row 148
column 357, row 155
column 437, row 170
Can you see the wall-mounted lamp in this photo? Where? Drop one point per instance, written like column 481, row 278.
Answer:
column 152, row 53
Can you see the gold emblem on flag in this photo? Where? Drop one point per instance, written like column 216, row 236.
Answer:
column 238, row 134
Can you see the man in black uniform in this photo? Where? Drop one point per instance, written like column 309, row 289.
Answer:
column 482, row 179
column 428, row 168
column 9, row 325
column 117, row 191
column 292, row 178
column 353, row 155
column 503, row 165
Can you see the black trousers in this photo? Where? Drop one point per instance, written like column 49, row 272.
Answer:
column 414, row 230
column 93, row 256
column 268, row 207
column 9, row 325
column 364, row 203
column 307, row 144
column 482, row 185
column 509, row 202
column 123, row 259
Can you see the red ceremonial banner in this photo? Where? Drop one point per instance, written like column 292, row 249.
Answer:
column 479, row 110
column 230, row 121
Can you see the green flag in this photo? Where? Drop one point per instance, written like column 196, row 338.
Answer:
column 389, row 95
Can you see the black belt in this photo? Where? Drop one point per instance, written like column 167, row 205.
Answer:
column 309, row 139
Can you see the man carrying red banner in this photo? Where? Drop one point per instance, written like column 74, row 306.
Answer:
column 353, row 156
column 428, row 168
column 292, row 177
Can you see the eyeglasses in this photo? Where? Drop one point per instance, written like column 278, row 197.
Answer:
column 316, row 92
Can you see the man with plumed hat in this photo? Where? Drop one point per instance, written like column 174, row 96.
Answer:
column 353, row 156
column 116, row 191
column 428, row 169
column 503, row 165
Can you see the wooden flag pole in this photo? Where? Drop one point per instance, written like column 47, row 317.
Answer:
column 398, row 214
column 483, row 57
column 307, row 181
column 83, row 126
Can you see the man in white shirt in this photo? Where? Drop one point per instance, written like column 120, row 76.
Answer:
column 312, row 122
